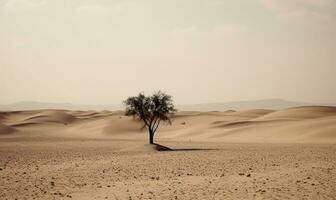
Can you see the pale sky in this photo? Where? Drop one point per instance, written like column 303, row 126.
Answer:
column 199, row 51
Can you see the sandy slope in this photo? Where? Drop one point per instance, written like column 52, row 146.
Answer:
column 314, row 124
column 4, row 129
column 254, row 154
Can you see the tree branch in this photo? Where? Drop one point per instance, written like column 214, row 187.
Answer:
column 154, row 122
column 157, row 125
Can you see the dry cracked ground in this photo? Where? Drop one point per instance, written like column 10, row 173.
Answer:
column 51, row 168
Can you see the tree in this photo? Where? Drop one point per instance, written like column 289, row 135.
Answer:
column 151, row 110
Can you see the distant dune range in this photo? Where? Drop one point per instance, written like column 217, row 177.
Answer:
column 306, row 124
column 273, row 104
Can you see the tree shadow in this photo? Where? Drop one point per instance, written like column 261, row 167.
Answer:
column 160, row 147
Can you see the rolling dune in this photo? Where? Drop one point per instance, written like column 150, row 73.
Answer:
column 253, row 154
column 311, row 124
column 300, row 113
column 51, row 116
column 4, row 129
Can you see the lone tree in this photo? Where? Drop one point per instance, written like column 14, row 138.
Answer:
column 151, row 110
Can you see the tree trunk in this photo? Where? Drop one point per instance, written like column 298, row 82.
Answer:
column 151, row 137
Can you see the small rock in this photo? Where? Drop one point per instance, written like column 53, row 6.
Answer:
column 241, row 174
column 248, row 175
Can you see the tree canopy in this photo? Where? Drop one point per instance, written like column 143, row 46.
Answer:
column 151, row 110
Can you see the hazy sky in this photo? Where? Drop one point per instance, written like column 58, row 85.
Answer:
column 199, row 51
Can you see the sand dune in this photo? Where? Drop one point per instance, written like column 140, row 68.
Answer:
column 296, row 125
column 51, row 116
column 4, row 129
column 312, row 124
column 237, row 105
column 300, row 113
column 252, row 154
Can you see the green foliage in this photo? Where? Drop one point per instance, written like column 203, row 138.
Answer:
column 150, row 109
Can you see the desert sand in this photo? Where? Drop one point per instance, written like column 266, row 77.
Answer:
column 252, row 154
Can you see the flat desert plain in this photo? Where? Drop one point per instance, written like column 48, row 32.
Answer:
column 253, row 154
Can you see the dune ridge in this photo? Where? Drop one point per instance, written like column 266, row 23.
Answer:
column 57, row 116
column 308, row 124
column 4, row 129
